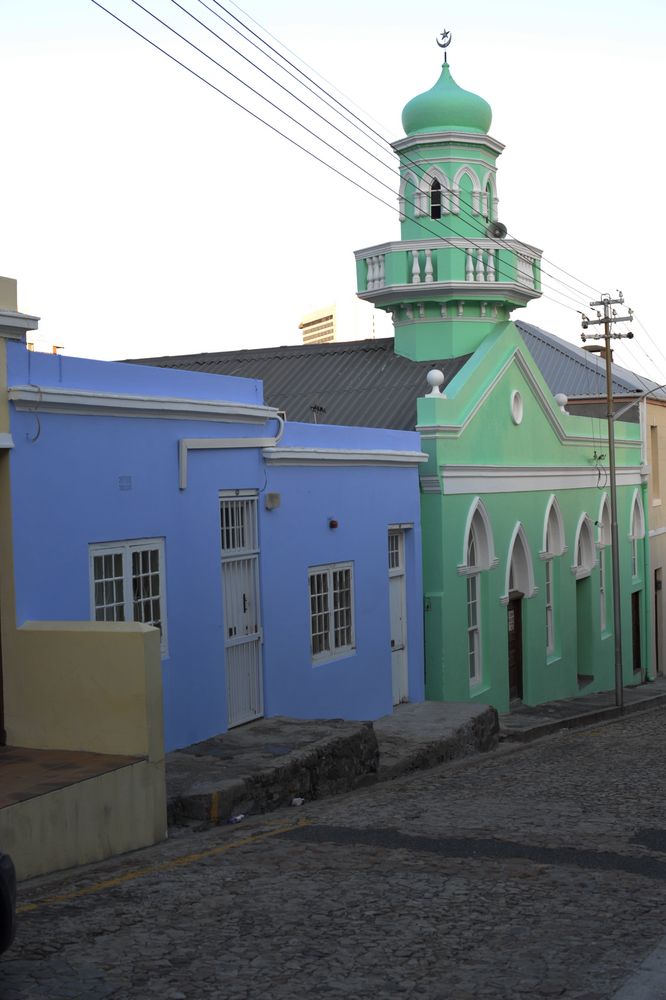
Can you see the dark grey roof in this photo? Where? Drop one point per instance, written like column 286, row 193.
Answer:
column 364, row 383
column 577, row 373
column 359, row 383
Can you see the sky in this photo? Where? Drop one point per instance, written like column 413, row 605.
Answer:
column 143, row 213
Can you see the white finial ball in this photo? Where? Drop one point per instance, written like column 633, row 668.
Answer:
column 561, row 399
column 435, row 379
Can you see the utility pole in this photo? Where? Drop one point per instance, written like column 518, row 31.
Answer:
column 607, row 319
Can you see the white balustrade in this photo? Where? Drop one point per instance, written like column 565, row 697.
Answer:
column 525, row 270
column 416, row 270
column 428, row 266
column 376, row 272
column 480, row 264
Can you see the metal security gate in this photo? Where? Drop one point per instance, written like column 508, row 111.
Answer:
column 242, row 616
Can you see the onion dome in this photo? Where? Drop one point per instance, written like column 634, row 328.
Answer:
column 446, row 107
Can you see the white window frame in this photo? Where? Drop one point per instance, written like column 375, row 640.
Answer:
column 553, row 547
column 584, row 549
column 602, row 590
column 550, row 611
column 603, row 543
column 126, row 549
column 333, row 652
column 637, row 532
column 473, row 602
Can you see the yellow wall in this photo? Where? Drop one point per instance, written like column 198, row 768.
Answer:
column 85, row 686
column 115, row 812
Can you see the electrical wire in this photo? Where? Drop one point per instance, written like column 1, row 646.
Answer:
column 239, row 104
column 460, row 197
column 384, row 140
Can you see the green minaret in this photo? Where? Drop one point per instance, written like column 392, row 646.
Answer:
column 453, row 276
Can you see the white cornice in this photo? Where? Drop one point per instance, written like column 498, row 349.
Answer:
column 429, row 161
column 461, row 242
column 484, row 290
column 480, row 479
column 6, row 441
column 78, row 401
column 432, row 432
column 444, row 138
column 342, row 456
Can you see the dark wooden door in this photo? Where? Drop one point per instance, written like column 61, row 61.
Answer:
column 515, row 631
column 636, row 628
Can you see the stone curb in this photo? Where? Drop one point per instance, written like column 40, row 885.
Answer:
column 477, row 735
column 609, row 712
column 329, row 767
column 326, row 767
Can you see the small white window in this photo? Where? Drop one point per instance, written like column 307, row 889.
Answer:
column 604, row 524
column 473, row 624
column 395, row 550
column 550, row 621
column 331, row 611
column 127, row 583
column 637, row 532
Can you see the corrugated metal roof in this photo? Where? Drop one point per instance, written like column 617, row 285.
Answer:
column 577, row 373
column 360, row 383
column 363, row 383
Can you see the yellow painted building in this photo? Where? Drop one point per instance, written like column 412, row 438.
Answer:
column 81, row 742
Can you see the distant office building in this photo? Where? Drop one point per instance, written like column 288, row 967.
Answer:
column 347, row 320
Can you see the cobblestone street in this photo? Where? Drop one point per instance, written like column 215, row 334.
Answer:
column 534, row 872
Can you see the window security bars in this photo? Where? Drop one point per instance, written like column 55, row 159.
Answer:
column 238, row 524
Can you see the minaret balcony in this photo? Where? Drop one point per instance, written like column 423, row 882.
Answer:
column 454, row 268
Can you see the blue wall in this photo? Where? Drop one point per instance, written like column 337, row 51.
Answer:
column 65, row 471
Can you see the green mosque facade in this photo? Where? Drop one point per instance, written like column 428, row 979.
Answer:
column 515, row 499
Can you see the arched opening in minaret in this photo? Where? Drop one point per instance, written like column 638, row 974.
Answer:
column 435, row 200
column 489, row 203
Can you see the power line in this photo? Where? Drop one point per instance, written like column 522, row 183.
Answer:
column 257, row 117
column 384, row 143
column 314, row 135
column 384, row 140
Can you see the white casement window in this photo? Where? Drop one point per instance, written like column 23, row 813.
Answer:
column 478, row 555
column 637, row 532
column 550, row 622
column 604, row 540
column 473, row 629
column 331, row 611
column 553, row 546
column 127, row 583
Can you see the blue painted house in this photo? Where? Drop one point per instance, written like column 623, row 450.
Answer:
column 281, row 562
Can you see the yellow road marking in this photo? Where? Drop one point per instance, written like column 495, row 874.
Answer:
column 186, row 859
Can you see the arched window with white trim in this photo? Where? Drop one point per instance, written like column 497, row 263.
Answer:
column 435, row 200
column 478, row 555
column 604, row 540
column 408, row 196
column 585, row 557
column 520, row 572
column 637, row 532
column 553, row 547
